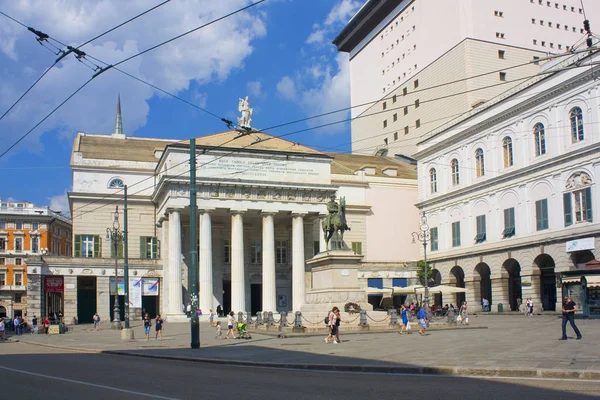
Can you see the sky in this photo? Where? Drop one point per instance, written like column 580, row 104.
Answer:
column 278, row 53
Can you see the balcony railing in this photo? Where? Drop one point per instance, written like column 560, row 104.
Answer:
column 14, row 288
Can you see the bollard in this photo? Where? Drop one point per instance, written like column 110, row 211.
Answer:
column 248, row 318
column 259, row 319
column 363, row 318
column 270, row 320
column 298, row 320
column 451, row 316
column 394, row 317
column 283, row 319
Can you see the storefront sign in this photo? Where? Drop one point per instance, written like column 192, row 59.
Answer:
column 120, row 288
column 53, row 284
column 580, row 244
column 525, row 282
column 150, row 287
column 135, row 292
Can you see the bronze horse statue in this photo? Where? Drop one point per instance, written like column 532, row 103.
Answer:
column 335, row 221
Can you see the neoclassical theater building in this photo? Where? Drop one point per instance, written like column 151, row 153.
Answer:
column 510, row 191
column 260, row 201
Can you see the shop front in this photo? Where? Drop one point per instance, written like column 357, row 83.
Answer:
column 583, row 286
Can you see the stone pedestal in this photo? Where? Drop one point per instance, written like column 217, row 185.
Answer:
column 334, row 282
column 127, row 334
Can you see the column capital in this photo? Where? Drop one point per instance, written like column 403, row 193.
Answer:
column 206, row 210
column 299, row 214
column 240, row 211
column 265, row 213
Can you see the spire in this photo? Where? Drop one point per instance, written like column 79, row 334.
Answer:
column 119, row 120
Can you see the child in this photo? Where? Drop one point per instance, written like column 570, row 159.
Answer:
column 211, row 319
column 219, row 331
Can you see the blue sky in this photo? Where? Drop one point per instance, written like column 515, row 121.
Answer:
column 278, row 53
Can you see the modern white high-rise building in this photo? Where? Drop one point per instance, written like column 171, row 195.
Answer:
column 417, row 64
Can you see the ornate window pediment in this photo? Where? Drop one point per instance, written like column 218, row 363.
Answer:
column 578, row 180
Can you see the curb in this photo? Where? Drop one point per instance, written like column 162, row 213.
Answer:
column 391, row 370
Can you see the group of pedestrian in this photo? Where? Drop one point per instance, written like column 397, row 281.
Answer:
column 529, row 307
column 333, row 321
column 158, row 326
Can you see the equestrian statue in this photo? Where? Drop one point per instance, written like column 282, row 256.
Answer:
column 335, row 221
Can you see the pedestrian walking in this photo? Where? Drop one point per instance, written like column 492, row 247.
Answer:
column 17, row 325
column 34, row 325
column 147, row 325
column 338, row 321
column 211, row 318
column 2, row 329
column 230, row 324
column 96, row 319
column 568, row 314
column 158, row 325
column 464, row 314
column 219, row 331
column 46, row 324
column 188, row 310
column 403, row 319
column 330, row 321
column 485, row 304
column 529, row 306
column 423, row 320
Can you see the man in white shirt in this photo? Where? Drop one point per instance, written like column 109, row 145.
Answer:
column 2, row 329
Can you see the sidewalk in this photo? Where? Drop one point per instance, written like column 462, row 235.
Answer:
column 510, row 346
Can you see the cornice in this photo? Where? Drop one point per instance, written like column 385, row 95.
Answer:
column 499, row 117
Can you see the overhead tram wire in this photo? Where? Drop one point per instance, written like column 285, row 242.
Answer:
column 102, row 70
column 40, row 35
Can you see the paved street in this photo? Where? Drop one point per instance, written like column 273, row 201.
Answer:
column 34, row 372
column 513, row 342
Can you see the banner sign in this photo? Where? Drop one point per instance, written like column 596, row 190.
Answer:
column 135, row 292
column 120, row 287
column 53, row 284
column 580, row 244
column 150, row 287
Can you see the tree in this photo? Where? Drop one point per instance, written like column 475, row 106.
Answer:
column 421, row 273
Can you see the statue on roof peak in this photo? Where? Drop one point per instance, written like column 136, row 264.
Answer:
column 244, row 108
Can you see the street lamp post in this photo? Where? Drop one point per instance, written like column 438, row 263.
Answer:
column 424, row 237
column 115, row 235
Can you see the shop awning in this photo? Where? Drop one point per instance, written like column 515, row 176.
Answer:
column 593, row 281
column 573, row 279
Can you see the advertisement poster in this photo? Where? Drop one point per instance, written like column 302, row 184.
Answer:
column 135, row 292
column 150, row 287
column 121, row 286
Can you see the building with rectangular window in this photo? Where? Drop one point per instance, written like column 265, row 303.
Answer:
column 510, row 189
column 260, row 202
column 27, row 230
column 435, row 60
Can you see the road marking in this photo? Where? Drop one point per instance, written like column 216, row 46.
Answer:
column 88, row 384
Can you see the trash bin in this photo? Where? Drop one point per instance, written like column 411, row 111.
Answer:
column 500, row 307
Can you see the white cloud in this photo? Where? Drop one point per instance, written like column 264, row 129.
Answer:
column 287, row 88
column 210, row 54
column 317, row 36
column 339, row 15
column 60, row 203
column 255, row 88
column 200, row 98
column 342, row 12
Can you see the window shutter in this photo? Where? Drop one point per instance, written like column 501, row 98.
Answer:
column 588, row 204
column 568, row 209
column 538, row 215
column 77, row 245
column 157, row 248
column 97, row 247
column 142, row 247
column 154, row 248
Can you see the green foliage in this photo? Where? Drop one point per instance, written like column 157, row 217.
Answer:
column 421, row 273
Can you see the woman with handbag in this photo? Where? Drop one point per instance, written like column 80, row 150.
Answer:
column 464, row 315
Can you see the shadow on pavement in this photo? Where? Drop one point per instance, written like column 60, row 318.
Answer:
column 30, row 372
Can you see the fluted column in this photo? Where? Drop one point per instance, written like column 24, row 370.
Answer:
column 205, row 262
column 297, row 261
column 174, row 309
column 238, row 282
column 269, row 286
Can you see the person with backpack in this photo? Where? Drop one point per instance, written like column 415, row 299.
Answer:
column 422, row 316
column 330, row 321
